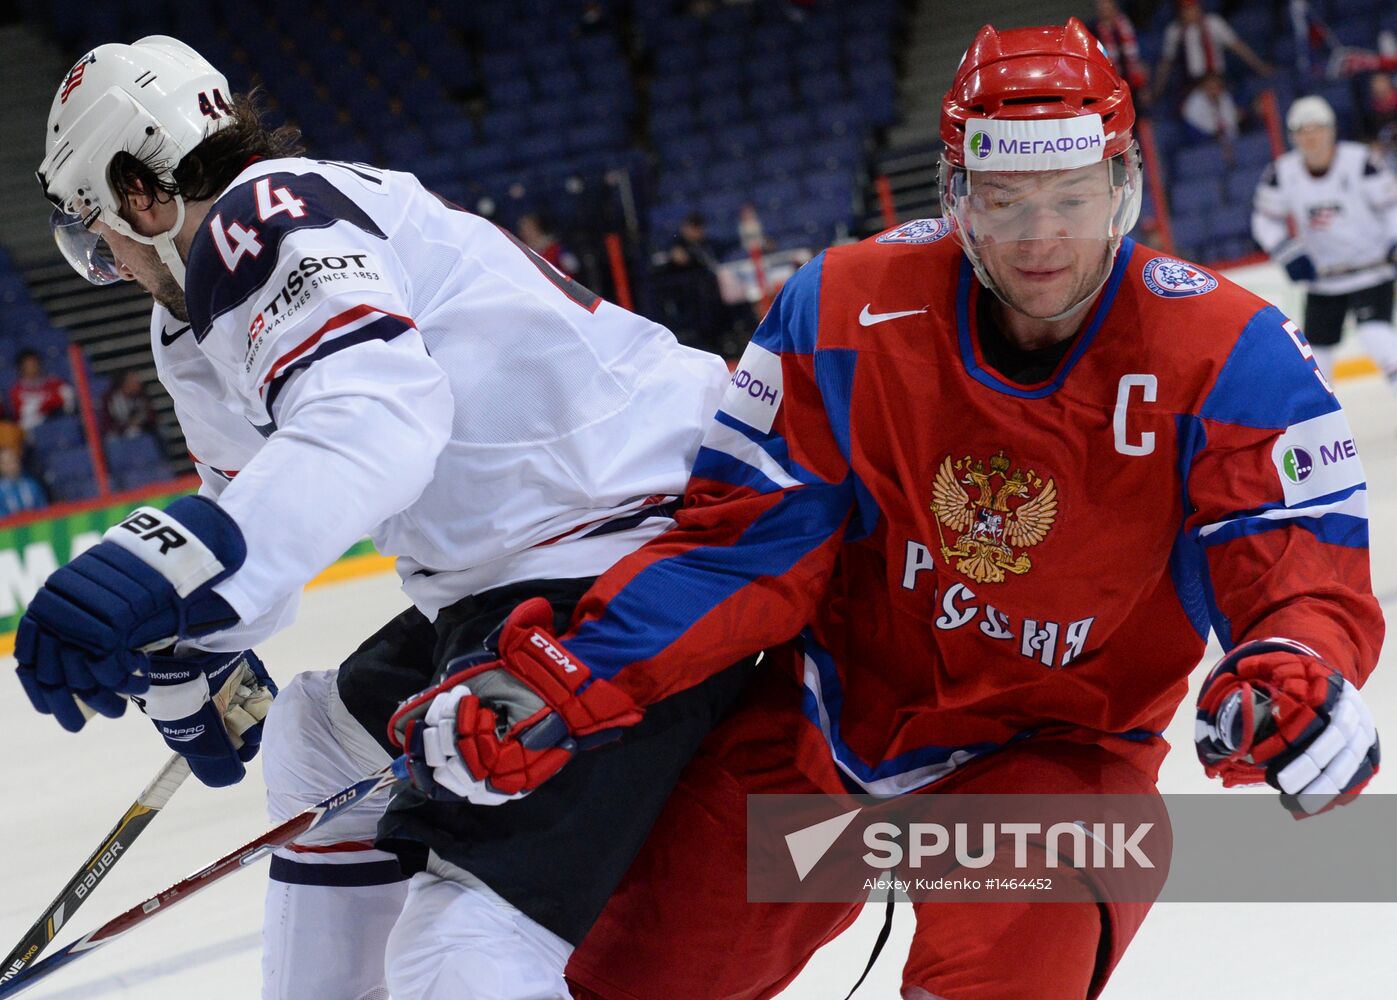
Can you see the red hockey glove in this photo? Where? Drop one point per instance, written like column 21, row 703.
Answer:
column 1273, row 711
column 501, row 724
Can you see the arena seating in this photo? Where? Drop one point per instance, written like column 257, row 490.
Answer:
column 1210, row 194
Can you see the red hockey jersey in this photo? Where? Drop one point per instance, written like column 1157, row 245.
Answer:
column 963, row 562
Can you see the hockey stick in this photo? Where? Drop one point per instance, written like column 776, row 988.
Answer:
column 111, row 850
column 278, row 836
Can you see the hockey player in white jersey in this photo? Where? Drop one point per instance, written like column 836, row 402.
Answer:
column 1326, row 211
column 413, row 373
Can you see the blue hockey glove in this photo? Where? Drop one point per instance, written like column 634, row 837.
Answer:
column 148, row 582
column 209, row 707
column 1301, row 268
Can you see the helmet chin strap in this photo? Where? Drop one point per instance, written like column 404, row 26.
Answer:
column 164, row 243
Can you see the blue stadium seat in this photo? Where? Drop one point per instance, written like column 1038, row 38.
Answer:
column 510, row 93
column 68, row 474
column 785, row 163
column 838, row 153
column 1252, row 151
column 1241, row 185
column 589, row 136
column 455, row 134
column 739, row 139
column 1197, row 162
column 772, row 99
column 136, row 461
column 1230, row 221
column 689, row 150
column 729, row 175
column 555, row 114
column 57, row 433
column 1193, row 196
column 823, row 89
column 673, row 120
column 724, row 48
column 721, row 110
column 669, row 90
column 607, row 76
column 788, row 128
column 768, row 68
column 1190, row 234
column 833, row 186
column 558, row 82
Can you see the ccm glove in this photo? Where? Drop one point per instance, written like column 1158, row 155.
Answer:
column 504, row 722
column 1273, row 711
column 209, row 708
column 148, row 582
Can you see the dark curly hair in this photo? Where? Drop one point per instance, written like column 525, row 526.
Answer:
column 209, row 167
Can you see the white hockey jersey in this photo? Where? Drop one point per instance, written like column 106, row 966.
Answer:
column 1345, row 220
column 416, row 374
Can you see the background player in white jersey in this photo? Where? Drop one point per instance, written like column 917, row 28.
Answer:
column 1327, row 212
column 415, row 374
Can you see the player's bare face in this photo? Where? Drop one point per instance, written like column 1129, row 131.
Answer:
column 140, row 263
column 1316, row 145
column 1044, row 237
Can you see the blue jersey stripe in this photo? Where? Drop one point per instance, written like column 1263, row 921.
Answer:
column 987, row 377
column 793, row 324
column 697, row 581
column 724, row 468
column 773, row 444
column 1334, row 529
column 1266, row 382
column 833, row 705
column 1188, row 567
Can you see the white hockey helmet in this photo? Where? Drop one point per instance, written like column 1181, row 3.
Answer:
column 157, row 99
column 1311, row 110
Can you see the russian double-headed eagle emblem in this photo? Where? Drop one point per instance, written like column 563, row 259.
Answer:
column 1011, row 510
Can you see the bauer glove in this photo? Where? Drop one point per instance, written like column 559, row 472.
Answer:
column 148, row 582
column 209, row 708
column 1273, row 711
column 503, row 722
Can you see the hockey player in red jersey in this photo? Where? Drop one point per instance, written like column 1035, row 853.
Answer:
column 983, row 485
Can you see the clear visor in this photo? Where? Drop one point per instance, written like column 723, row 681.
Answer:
column 89, row 254
column 1100, row 201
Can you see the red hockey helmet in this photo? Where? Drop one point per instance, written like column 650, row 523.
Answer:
column 1028, row 74
column 1039, row 162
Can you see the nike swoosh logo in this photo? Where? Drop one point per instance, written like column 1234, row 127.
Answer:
column 867, row 318
column 166, row 339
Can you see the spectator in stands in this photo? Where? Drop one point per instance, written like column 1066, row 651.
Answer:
column 1210, row 113
column 690, row 302
column 694, row 243
column 535, row 231
column 1116, row 32
column 10, row 434
column 35, row 396
column 126, row 407
column 1204, row 39
column 18, row 491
